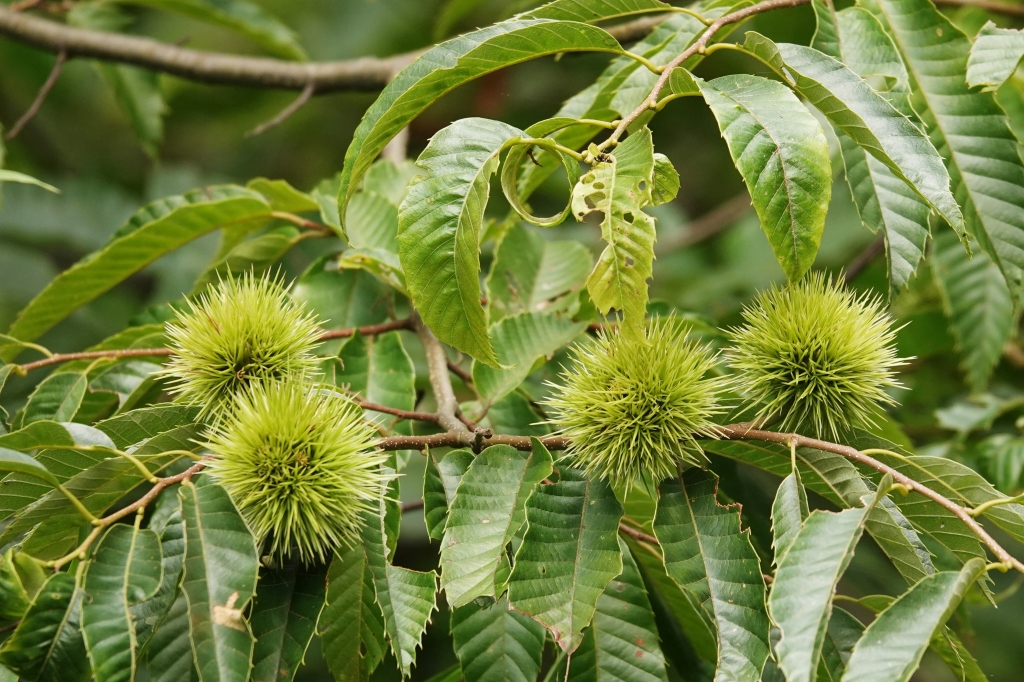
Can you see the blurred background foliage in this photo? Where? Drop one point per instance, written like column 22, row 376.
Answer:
column 83, row 142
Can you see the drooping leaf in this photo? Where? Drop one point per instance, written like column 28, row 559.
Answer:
column 707, row 555
column 978, row 306
column 800, row 601
column 439, row 228
column 530, row 271
column 406, row 597
column 24, row 179
column 156, row 229
column 284, row 615
column 221, row 566
column 441, row 480
column 495, row 644
column 488, row 510
column 125, row 569
column 451, row 64
column 47, row 645
column 892, row 646
column 789, row 510
column 351, row 625
column 242, row 16
column 619, row 187
column 568, row 556
column 621, row 642
column 866, row 117
column 967, row 127
column 782, row 154
column 519, row 342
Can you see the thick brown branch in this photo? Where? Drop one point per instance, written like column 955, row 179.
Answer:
column 742, row 432
column 440, row 382
column 364, row 73
column 37, row 103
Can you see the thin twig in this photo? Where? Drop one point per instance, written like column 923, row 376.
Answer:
column 299, row 102
column 368, row 330
column 864, row 259
column 466, row 377
column 402, row 414
column 361, row 74
column 412, row 505
column 638, row 535
column 37, row 103
column 742, row 432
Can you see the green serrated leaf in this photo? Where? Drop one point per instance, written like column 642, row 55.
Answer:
column 156, row 229
column 221, row 566
column 892, row 646
column 451, row 64
column 147, row 615
column 789, row 510
column 978, row 306
column 340, row 298
column 125, row 568
column 246, row 18
column 282, row 196
column 619, row 187
column 47, row 645
column 170, row 657
column 495, row 644
column 439, row 227
column 56, row 398
column 707, row 555
column 967, row 127
column 520, row 341
column 867, row 118
column 529, row 271
column 782, row 154
column 14, row 461
column 381, row 371
column 800, row 601
column 441, row 480
column 488, row 510
column 136, row 426
column 575, row 10
column 284, row 616
column 622, row 640
column 351, row 624
column 568, row 556
column 406, row 597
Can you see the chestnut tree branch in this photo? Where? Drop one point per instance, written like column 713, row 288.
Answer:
column 441, row 383
column 37, row 103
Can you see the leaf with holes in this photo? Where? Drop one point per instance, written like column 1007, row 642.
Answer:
column 619, row 187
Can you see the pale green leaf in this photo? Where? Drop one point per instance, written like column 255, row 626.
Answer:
column 489, row 508
column 622, row 640
column 978, row 306
column 372, row 222
column 496, row 644
column 707, row 555
column 340, row 298
column 800, row 601
column 284, row 615
column 782, row 154
column 568, row 556
column 242, row 16
column 439, row 227
column 666, row 181
column 221, row 566
column 619, row 188
column 138, row 92
column 581, row 10
column 47, row 645
column 451, row 64
column 22, row 178
column 124, row 570
column 968, row 128
column 351, row 625
column 282, row 196
column 11, row 460
column 892, row 646
column 994, row 56
column 529, row 272
column 520, row 341
column 153, row 231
